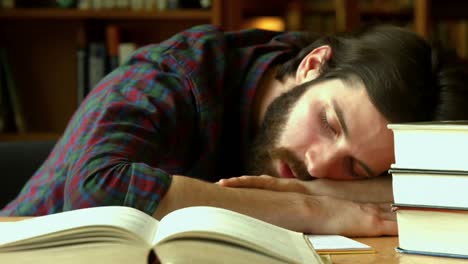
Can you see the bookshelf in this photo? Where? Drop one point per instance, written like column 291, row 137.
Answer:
column 343, row 14
column 41, row 44
column 446, row 21
column 73, row 14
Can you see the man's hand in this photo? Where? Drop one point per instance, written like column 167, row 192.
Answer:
column 348, row 218
column 368, row 190
column 267, row 183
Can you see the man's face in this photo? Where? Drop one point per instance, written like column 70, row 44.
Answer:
column 329, row 130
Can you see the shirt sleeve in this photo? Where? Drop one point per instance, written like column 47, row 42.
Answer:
column 131, row 134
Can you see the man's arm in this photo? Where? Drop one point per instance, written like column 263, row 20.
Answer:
column 295, row 211
column 376, row 190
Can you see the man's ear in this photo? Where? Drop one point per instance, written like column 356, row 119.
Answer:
column 309, row 68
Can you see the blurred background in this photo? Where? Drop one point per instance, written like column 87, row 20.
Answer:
column 53, row 51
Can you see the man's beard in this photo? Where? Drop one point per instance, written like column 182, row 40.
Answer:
column 264, row 149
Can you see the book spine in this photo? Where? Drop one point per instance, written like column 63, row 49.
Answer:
column 81, row 58
column 96, row 63
column 205, row 3
column 161, row 4
column 136, row 4
column 112, row 41
column 125, row 51
column 82, row 66
column 173, row 4
column 109, row 4
column 7, row 4
column 97, row 4
column 149, row 5
column 84, row 4
column 431, row 208
column 122, row 4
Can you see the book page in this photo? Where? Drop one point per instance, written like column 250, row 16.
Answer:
column 210, row 252
column 137, row 224
column 84, row 253
column 336, row 244
column 229, row 226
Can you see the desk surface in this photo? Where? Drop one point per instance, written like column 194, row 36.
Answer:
column 385, row 252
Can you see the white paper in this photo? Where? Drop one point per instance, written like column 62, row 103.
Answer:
column 336, row 242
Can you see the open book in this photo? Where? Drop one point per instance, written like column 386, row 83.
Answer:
column 115, row 234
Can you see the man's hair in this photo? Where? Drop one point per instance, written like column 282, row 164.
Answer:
column 406, row 78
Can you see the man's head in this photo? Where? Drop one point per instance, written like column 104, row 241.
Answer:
column 333, row 124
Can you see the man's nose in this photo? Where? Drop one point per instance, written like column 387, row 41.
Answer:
column 320, row 162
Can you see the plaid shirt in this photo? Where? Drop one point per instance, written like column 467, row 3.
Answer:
column 177, row 107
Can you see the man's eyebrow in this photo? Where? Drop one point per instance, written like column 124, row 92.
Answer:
column 341, row 120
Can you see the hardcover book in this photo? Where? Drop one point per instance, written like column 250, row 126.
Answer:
column 430, row 188
column 436, row 231
column 441, row 145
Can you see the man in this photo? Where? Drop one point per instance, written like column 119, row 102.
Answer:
column 206, row 105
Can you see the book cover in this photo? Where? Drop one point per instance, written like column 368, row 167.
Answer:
column 434, row 254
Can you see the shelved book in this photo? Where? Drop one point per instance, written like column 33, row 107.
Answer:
column 441, row 145
column 98, row 58
column 117, row 234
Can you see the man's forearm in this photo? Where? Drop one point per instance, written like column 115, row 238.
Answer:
column 377, row 189
column 283, row 209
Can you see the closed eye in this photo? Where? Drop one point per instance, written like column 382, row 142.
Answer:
column 325, row 123
column 350, row 166
column 354, row 165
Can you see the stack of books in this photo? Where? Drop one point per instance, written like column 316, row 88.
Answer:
column 430, row 187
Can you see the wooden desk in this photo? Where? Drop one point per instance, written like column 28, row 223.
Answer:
column 385, row 252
